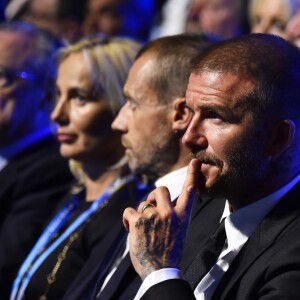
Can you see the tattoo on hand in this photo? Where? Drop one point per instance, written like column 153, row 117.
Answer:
column 153, row 240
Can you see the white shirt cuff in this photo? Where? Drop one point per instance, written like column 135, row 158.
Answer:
column 157, row 277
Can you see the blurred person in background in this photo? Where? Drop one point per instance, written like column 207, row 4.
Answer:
column 170, row 18
column 293, row 29
column 33, row 175
column 130, row 18
column 63, row 18
column 91, row 74
column 223, row 18
column 272, row 16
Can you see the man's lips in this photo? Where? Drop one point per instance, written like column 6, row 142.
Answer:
column 207, row 160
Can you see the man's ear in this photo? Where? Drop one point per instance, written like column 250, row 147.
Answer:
column 281, row 136
column 181, row 115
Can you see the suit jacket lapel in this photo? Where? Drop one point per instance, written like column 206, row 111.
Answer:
column 264, row 236
column 116, row 280
column 107, row 261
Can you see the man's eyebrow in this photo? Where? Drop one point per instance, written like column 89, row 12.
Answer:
column 210, row 107
column 216, row 108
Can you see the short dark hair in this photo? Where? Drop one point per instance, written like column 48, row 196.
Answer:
column 71, row 9
column 173, row 55
column 269, row 62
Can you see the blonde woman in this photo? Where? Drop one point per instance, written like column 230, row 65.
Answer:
column 271, row 16
column 90, row 78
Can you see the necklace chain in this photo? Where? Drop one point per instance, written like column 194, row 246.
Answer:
column 51, row 278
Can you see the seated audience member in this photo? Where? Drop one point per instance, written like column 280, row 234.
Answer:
column 33, row 175
column 170, row 18
column 130, row 18
column 271, row 16
column 293, row 29
column 152, row 123
column 63, row 18
column 245, row 138
column 91, row 74
column 222, row 18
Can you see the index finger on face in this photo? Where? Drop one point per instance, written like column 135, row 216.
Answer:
column 185, row 200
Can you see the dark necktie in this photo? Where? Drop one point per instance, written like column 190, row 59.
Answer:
column 206, row 257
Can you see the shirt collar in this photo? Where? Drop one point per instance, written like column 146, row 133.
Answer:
column 3, row 162
column 173, row 181
column 240, row 224
column 12, row 150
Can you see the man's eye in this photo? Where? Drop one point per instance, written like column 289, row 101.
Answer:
column 79, row 99
column 213, row 115
column 279, row 25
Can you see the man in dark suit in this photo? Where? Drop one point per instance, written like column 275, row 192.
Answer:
column 33, row 176
column 155, row 91
column 244, row 135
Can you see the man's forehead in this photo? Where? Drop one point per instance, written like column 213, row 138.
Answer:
column 144, row 65
column 14, row 48
column 140, row 75
column 216, row 84
column 200, row 82
column 198, row 78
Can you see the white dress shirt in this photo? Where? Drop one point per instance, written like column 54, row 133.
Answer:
column 174, row 182
column 174, row 15
column 239, row 225
column 8, row 152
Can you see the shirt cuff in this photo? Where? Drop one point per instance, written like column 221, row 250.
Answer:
column 157, row 277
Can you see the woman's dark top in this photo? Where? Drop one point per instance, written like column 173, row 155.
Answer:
column 89, row 235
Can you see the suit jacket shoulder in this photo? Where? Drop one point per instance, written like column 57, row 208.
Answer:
column 268, row 266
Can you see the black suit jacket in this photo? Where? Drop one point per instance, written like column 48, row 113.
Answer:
column 267, row 267
column 125, row 283
column 31, row 186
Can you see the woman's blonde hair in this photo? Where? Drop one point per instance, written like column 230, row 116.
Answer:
column 109, row 61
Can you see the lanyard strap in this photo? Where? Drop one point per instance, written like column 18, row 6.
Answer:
column 33, row 261
column 54, row 226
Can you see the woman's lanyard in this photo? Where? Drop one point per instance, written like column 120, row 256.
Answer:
column 33, row 260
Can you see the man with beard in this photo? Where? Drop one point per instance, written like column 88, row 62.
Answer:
column 152, row 123
column 244, row 135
